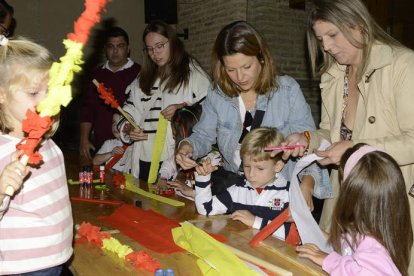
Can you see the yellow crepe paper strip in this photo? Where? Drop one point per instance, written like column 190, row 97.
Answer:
column 214, row 257
column 129, row 185
column 158, row 147
column 115, row 246
column 61, row 75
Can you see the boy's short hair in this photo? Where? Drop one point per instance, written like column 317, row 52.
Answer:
column 257, row 140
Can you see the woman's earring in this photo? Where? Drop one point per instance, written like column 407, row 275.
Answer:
column 277, row 175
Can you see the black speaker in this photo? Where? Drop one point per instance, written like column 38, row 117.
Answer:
column 165, row 10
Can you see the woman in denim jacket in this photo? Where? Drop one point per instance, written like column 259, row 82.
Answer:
column 245, row 83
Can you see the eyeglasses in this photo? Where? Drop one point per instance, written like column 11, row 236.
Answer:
column 159, row 47
column 4, row 31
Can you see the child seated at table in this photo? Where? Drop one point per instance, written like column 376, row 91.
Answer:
column 371, row 231
column 182, row 126
column 112, row 147
column 264, row 194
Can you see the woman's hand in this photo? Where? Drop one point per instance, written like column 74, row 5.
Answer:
column 13, row 174
column 169, row 111
column 205, row 167
column 311, row 252
column 295, row 139
column 333, row 154
column 183, row 156
column 244, row 216
column 117, row 150
column 182, row 187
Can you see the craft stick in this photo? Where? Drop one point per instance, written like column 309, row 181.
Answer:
column 270, row 228
column 272, row 148
column 10, row 189
column 131, row 187
column 126, row 115
column 76, row 182
column 250, row 258
column 99, row 201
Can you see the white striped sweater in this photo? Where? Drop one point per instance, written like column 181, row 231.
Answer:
column 36, row 228
column 267, row 205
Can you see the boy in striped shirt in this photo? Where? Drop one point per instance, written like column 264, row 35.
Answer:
column 264, row 194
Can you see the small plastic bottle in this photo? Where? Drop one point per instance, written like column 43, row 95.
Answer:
column 159, row 272
column 169, row 272
column 102, row 174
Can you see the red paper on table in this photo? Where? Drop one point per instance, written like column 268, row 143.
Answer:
column 146, row 227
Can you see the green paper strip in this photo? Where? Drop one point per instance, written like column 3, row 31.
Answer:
column 159, row 142
column 129, row 183
column 76, row 182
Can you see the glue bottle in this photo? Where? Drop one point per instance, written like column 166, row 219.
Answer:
column 102, row 174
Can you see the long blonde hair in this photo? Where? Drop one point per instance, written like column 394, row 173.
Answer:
column 22, row 62
column 346, row 15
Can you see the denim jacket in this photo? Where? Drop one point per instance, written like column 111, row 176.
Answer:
column 285, row 109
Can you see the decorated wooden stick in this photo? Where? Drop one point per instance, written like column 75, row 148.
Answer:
column 108, row 97
column 61, row 74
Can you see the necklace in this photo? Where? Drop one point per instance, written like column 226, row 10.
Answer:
column 345, row 94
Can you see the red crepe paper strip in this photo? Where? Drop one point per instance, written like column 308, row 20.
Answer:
column 87, row 20
column 107, row 95
column 92, row 233
column 273, row 226
column 146, row 227
column 99, row 201
column 144, row 260
column 35, row 127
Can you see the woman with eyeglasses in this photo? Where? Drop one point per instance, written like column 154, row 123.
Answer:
column 247, row 92
column 170, row 79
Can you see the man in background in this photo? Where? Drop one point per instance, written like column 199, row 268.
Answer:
column 117, row 73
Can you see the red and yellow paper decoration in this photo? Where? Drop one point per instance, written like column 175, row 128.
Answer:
column 61, row 76
column 140, row 259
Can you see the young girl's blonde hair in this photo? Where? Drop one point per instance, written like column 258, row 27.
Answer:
column 373, row 202
column 257, row 140
column 22, row 63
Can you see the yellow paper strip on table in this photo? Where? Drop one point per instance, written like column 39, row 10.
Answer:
column 214, row 257
column 159, row 142
column 129, row 185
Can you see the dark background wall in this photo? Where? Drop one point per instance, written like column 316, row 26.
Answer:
column 281, row 22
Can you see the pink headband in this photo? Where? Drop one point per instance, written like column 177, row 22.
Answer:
column 356, row 156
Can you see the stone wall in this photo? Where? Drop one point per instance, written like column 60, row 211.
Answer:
column 281, row 26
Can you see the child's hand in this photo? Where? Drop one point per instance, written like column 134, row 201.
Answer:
column 244, row 216
column 182, row 187
column 117, row 150
column 205, row 167
column 13, row 175
column 183, row 156
column 311, row 252
column 138, row 135
column 161, row 186
column 169, row 111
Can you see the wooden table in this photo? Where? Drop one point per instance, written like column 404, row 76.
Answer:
column 91, row 260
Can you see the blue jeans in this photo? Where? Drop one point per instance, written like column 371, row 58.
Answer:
column 51, row 271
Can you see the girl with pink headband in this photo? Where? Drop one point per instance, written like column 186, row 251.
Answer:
column 371, row 233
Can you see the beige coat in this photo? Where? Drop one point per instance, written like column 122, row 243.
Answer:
column 384, row 116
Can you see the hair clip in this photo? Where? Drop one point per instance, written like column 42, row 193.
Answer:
column 272, row 148
column 3, row 40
